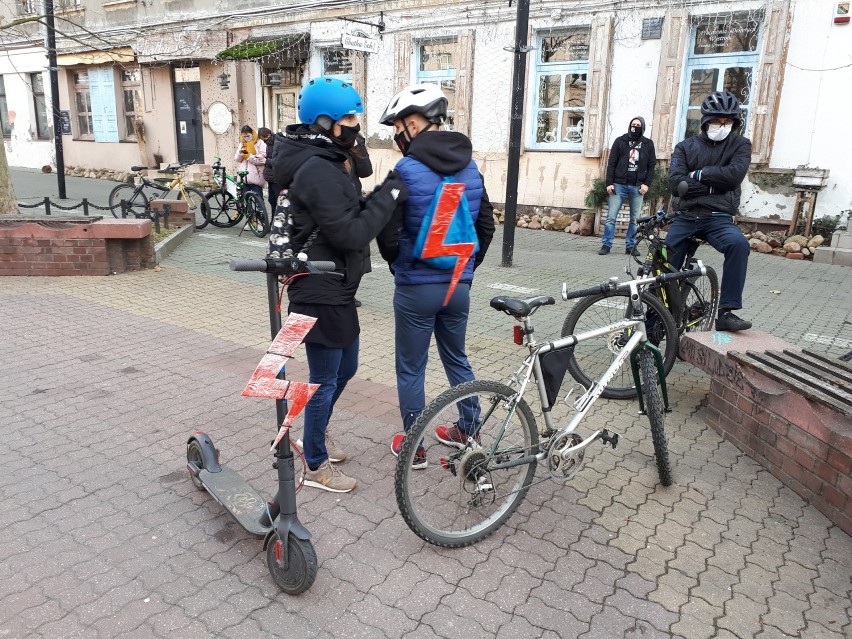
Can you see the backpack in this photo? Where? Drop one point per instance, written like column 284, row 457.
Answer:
column 447, row 232
column 281, row 235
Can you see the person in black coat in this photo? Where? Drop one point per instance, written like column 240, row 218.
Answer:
column 265, row 134
column 330, row 222
column 714, row 164
column 629, row 172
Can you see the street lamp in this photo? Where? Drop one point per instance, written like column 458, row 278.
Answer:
column 275, row 80
column 224, row 80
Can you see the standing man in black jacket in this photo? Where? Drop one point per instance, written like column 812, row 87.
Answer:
column 714, row 164
column 629, row 171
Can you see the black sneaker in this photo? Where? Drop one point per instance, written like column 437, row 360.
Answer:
column 357, row 303
column 628, row 250
column 604, row 250
column 730, row 322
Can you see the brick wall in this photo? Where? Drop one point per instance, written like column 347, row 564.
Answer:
column 809, row 458
column 74, row 247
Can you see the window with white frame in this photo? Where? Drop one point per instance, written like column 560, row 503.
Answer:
column 39, row 106
column 559, row 99
column 4, row 110
column 131, row 91
column 336, row 63
column 83, row 105
column 722, row 55
column 65, row 5
column 435, row 64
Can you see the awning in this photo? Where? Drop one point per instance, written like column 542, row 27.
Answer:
column 121, row 55
column 292, row 47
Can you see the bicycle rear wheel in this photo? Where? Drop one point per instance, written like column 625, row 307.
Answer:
column 137, row 202
column 222, row 209
column 463, row 495
column 256, row 214
column 654, row 410
column 590, row 359
column 700, row 301
column 197, row 204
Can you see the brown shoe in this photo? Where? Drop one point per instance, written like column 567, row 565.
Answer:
column 335, row 454
column 328, row 477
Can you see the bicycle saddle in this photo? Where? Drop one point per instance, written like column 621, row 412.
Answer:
column 138, row 168
column 520, row 308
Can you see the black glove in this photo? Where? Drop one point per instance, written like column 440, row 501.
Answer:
column 394, row 186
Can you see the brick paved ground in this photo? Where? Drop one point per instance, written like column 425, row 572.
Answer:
column 102, row 534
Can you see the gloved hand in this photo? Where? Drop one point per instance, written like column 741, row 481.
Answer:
column 394, row 186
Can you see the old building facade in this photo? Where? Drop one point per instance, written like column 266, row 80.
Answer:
column 147, row 81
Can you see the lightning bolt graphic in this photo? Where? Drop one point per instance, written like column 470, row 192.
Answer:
column 448, row 203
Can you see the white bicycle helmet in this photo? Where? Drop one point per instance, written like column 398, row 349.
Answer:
column 426, row 99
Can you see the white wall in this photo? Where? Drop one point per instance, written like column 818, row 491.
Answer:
column 814, row 125
column 633, row 81
column 24, row 148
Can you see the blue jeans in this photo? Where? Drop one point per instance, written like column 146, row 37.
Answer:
column 419, row 312
column 622, row 192
column 331, row 368
column 724, row 236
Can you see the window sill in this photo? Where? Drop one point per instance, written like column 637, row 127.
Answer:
column 119, row 4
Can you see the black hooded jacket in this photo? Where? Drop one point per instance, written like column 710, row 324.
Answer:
column 322, row 196
column 723, row 166
column 618, row 164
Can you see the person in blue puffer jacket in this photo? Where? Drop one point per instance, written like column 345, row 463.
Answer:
column 430, row 154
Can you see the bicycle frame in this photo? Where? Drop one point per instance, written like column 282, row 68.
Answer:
column 634, row 318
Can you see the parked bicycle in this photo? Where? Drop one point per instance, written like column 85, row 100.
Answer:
column 459, row 498
column 675, row 307
column 231, row 202
column 137, row 200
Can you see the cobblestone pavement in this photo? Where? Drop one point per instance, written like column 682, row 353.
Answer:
column 103, row 535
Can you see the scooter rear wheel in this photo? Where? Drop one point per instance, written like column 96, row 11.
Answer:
column 195, row 456
column 301, row 568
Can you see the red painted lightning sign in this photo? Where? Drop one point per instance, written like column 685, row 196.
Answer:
column 448, row 202
column 264, row 381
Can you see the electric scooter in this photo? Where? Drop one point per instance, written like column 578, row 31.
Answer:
column 290, row 554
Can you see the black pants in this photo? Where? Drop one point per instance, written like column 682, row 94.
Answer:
column 274, row 191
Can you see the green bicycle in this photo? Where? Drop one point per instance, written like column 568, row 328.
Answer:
column 231, row 202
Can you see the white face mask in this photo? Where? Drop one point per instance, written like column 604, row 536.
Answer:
column 717, row 132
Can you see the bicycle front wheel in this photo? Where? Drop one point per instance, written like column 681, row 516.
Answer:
column 136, row 201
column 455, row 497
column 590, row 359
column 256, row 214
column 700, row 301
column 197, row 205
column 222, row 210
column 654, row 410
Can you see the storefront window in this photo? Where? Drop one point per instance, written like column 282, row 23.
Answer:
column 83, row 104
column 131, row 87
column 39, row 105
column 436, row 65
column 4, row 110
column 337, row 64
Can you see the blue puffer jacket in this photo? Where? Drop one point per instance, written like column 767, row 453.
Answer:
column 432, row 156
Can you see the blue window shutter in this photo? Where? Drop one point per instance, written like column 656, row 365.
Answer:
column 102, row 88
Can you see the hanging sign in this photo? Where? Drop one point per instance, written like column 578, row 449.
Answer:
column 359, row 43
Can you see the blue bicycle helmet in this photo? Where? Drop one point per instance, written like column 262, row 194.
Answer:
column 330, row 97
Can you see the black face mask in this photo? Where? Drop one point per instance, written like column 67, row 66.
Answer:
column 635, row 132
column 402, row 141
column 348, row 136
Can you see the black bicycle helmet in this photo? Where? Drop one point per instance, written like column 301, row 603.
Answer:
column 721, row 104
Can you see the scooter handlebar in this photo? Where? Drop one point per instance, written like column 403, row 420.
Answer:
column 286, row 266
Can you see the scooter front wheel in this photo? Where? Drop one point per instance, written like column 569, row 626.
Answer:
column 301, row 564
column 196, row 457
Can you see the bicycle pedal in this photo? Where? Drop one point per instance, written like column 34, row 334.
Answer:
column 611, row 439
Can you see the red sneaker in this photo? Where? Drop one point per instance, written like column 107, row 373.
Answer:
column 452, row 436
column 419, row 457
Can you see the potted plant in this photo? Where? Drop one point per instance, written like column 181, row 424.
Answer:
column 596, row 201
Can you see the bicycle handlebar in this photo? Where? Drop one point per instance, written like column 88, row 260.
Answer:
column 286, row 266
column 614, row 284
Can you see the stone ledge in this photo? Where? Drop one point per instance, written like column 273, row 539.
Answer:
column 165, row 247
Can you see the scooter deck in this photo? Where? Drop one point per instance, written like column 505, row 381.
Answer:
column 238, row 498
